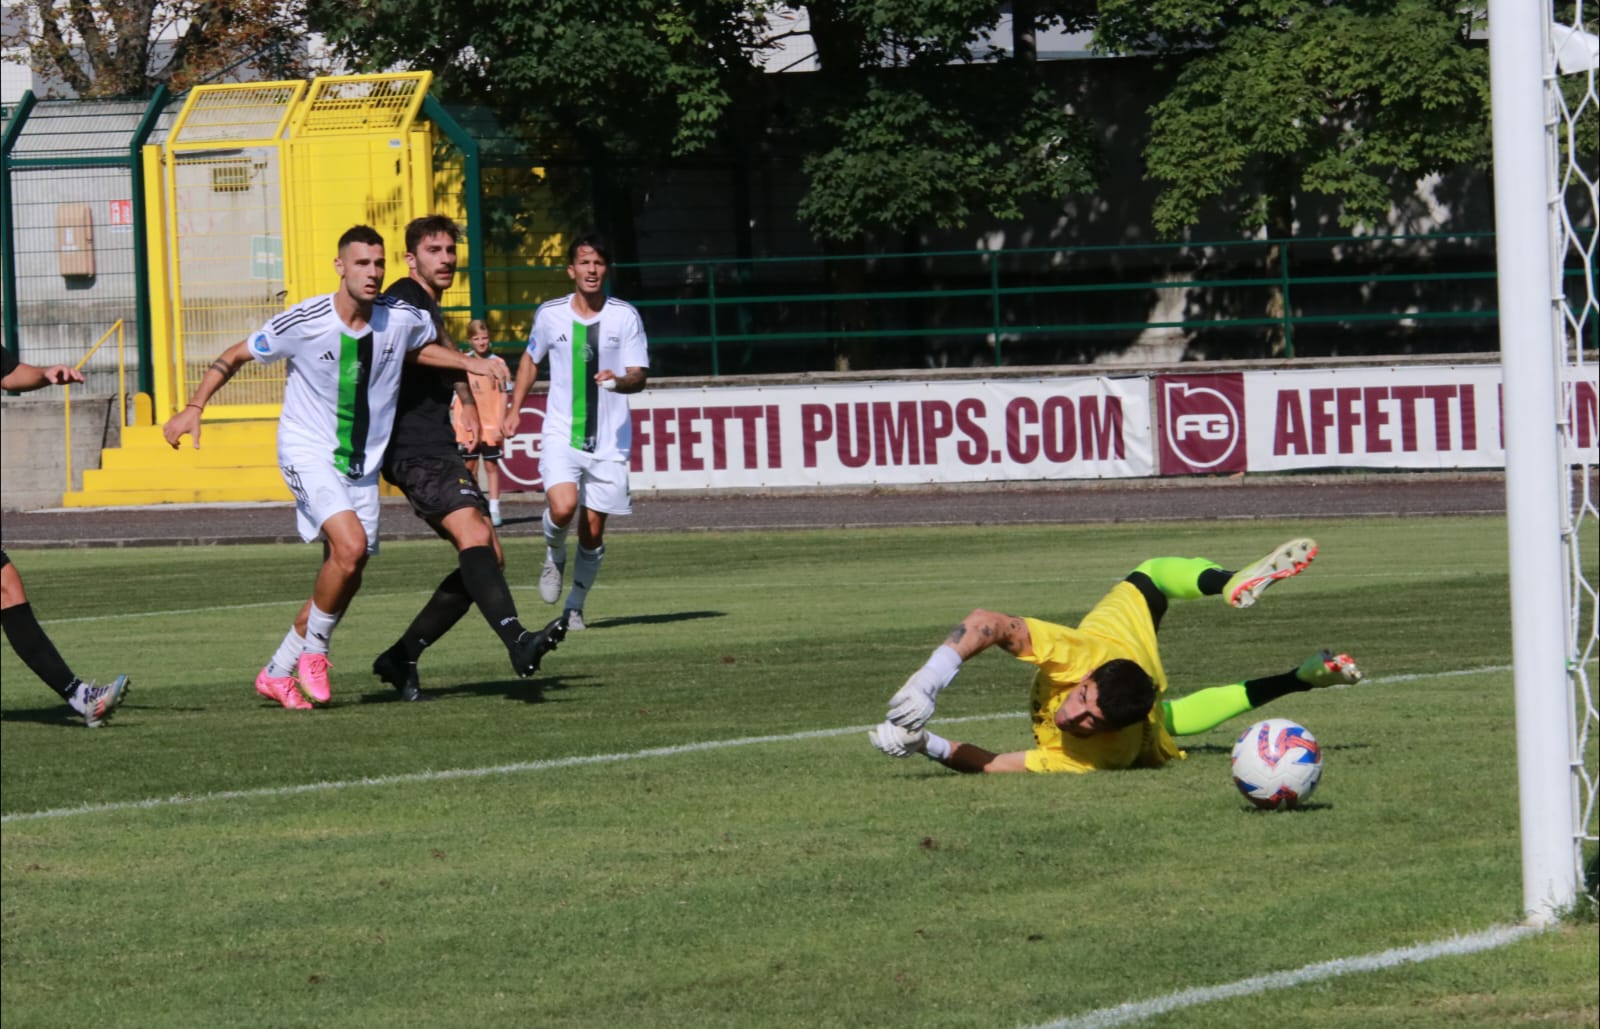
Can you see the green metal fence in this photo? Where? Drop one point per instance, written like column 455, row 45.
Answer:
column 1147, row 303
column 72, row 255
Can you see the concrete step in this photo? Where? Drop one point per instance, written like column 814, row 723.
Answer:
column 174, row 495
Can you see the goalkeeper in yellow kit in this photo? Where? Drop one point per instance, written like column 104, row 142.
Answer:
column 1097, row 695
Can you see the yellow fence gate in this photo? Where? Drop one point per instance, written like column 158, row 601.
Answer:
column 250, row 193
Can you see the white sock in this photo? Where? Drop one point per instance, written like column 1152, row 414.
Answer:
column 583, row 575
column 555, row 540
column 288, row 656
column 937, row 747
column 319, row 629
column 494, row 505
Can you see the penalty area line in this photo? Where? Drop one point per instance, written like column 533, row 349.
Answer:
column 1139, row 1011
column 449, row 774
column 551, row 764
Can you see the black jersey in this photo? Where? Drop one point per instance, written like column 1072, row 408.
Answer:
column 422, row 414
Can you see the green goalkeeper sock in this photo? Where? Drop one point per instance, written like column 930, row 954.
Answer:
column 1205, row 709
column 1182, row 578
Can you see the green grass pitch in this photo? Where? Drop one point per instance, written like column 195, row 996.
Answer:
column 680, row 821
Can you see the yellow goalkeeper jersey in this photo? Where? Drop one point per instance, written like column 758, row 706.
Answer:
column 1118, row 627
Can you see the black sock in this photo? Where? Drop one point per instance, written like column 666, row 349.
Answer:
column 37, row 652
column 487, row 584
column 444, row 609
column 1213, row 581
column 1260, row 691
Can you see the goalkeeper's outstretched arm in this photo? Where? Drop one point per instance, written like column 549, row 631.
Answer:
column 897, row 741
column 912, row 705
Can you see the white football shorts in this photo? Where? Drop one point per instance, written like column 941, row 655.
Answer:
column 602, row 482
column 322, row 491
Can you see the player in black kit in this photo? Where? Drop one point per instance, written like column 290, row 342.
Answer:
column 424, row 463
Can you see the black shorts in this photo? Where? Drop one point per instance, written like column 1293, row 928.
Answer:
column 485, row 451
column 436, row 486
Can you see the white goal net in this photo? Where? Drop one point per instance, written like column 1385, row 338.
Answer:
column 1572, row 53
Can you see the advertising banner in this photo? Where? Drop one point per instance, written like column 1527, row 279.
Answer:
column 1413, row 417
column 925, row 433
column 869, row 434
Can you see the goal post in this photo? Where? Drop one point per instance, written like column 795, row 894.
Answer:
column 1541, row 334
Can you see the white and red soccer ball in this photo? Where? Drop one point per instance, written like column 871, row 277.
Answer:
column 1276, row 764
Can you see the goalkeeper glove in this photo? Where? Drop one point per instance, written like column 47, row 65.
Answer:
column 896, row 741
column 912, row 704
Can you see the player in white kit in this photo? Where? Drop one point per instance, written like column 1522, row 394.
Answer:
column 598, row 353
column 345, row 351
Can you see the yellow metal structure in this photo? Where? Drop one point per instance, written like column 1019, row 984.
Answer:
column 223, row 187
column 122, row 389
column 248, row 196
column 351, row 154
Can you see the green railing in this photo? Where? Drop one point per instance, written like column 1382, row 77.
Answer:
column 1298, row 297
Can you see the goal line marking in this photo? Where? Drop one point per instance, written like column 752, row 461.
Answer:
column 1139, row 1011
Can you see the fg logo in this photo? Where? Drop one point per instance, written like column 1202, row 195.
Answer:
column 519, row 460
column 1202, row 423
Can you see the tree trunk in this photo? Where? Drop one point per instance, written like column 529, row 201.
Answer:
column 1280, row 228
column 1024, row 47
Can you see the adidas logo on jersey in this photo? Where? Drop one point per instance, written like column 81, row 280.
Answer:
column 327, row 355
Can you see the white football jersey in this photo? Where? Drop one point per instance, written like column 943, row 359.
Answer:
column 578, row 412
column 340, row 395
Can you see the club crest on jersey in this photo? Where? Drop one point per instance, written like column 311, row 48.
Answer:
column 259, row 343
column 588, row 353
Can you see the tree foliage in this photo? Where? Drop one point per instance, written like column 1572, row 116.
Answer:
column 899, row 134
column 629, row 78
column 109, row 49
column 912, row 132
column 1355, row 101
column 939, row 150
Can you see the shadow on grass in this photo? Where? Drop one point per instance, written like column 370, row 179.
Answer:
column 1298, row 809
column 526, row 691
column 665, row 618
column 55, row 714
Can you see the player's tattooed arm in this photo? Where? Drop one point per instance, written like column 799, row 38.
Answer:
column 186, row 422
column 224, row 369
column 982, row 629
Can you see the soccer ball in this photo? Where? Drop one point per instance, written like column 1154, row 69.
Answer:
column 1276, row 764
